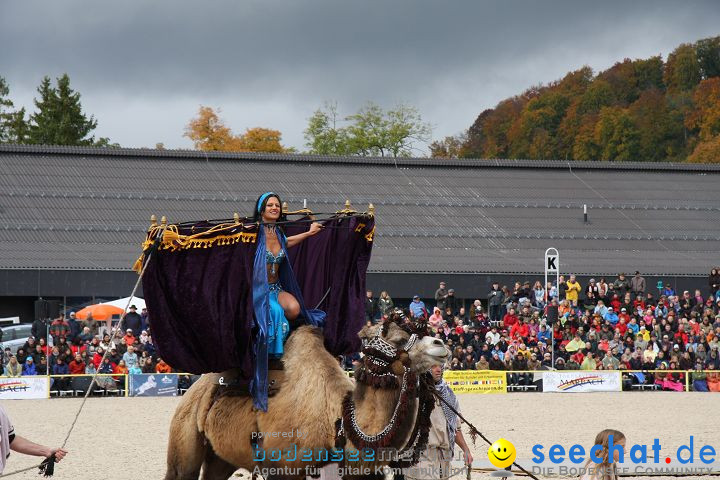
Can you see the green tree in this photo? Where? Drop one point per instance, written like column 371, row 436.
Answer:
column 323, row 136
column 13, row 125
column 59, row 119
column 682, row 70
column 708, row 54
column 369, row 132
column 617, row 136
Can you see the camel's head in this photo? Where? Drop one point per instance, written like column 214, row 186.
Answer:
column 397, row 339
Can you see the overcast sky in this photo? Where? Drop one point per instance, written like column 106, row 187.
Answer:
column 144, row 67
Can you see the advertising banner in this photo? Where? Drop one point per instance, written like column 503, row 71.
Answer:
column 20, row 388
column 153, row 385
column 476, row 381
column 582, row 381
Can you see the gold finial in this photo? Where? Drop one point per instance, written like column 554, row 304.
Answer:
column 236, row 217
column 371, row 210
column 163, row 220
column 348, row 208
column 153, row 220
column 285, row 206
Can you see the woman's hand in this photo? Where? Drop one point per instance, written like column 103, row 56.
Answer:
column 315, row 227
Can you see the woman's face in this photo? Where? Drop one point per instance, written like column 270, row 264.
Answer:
column 272, row 210
column 616, row 453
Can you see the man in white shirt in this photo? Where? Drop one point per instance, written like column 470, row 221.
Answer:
column 10, row 441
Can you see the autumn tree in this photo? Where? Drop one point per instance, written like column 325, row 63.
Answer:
column 209, row 133
column 706, row 152
column 705, row 116
column 453, row 146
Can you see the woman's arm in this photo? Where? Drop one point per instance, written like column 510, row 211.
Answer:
column 315, row 227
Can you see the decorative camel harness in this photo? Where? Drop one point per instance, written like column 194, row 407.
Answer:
column 387, row 367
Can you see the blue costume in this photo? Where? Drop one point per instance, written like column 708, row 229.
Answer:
column 273, row 327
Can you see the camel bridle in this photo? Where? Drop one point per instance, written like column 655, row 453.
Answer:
column 387, row 366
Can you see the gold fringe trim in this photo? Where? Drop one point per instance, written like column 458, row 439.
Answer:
column 173, row 241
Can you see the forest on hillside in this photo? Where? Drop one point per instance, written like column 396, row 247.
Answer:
column 638, row 110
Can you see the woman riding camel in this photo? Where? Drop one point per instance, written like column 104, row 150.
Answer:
column 280, row 306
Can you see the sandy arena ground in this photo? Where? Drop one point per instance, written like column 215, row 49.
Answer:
column 119, row 438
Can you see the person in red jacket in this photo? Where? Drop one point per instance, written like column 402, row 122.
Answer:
column 162, row 367
column 77, row 366
column 520, row 329
column 510, row 318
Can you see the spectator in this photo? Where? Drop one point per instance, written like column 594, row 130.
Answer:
column 611, row 316
column 133, row 320
column 371, row 308
column 162, row 367
column 147, row 365
column 562, row 288
column 510, row 319
column 699, row 378
column 59, row 328
column 520, row 330
column 39, row 328
column 589, row 362
column 436, row 320
column 77, row 366
column 440, row 296
column 145, row 319
column 42, row 366
column 451, row 301
column 130, row 357
column 637, row 284
column 121, row 368
column 91, row 324
column 495, row 300
column 60, row 368
column 714, row 281
column 29, row 367
column 86, row 335
column 385, row 304
column 573, row 289
column 538, row 295
column 621, row 286
column 417, row 308
column 75, row 327
column 129, row 337
column 13, row 368
column 668, row 291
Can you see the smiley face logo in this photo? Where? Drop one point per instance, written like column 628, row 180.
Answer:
column 502, row 453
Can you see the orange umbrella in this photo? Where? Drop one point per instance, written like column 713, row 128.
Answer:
column 100, row 312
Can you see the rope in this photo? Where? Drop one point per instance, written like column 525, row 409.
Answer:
column 474, row 431
column 94, row 377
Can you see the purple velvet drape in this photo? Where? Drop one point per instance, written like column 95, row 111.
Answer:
column 200, row 299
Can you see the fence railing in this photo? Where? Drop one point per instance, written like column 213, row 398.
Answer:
column 172, row 384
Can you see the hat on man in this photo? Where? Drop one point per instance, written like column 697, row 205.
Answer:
column 133, row 307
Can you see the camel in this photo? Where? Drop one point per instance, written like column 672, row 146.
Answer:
column 214, row 433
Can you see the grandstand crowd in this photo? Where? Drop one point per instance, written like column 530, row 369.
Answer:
column 75, row 347
column 616, row 325
column 603, row 325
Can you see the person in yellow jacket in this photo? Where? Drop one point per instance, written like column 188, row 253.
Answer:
column 573, row 290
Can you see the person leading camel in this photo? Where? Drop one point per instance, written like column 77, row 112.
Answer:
column 444, row 434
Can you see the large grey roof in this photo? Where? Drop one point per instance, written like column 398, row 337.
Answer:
column 88, row 208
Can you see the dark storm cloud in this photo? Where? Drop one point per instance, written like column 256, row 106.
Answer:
column 143, row 67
